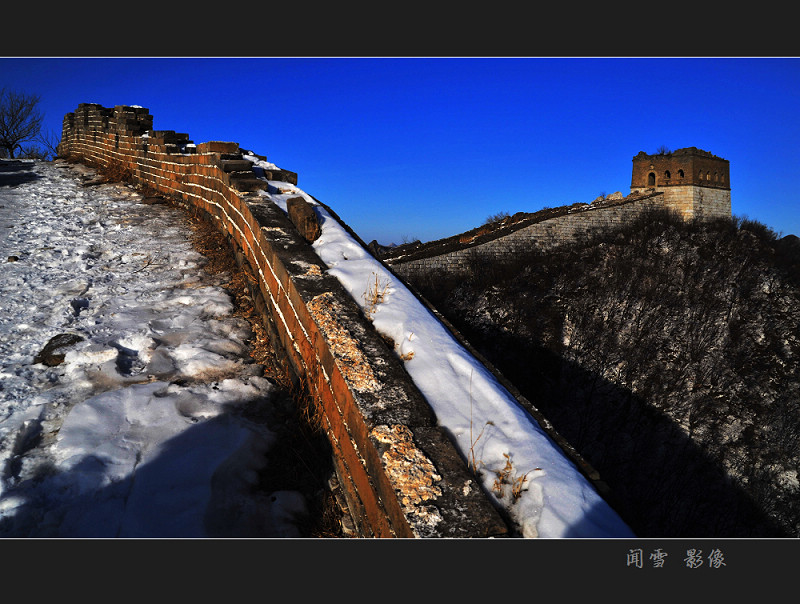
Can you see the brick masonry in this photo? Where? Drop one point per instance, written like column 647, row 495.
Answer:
column 373, row 414
column 694, row 182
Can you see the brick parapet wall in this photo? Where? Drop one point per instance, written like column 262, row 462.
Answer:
column 374, row 415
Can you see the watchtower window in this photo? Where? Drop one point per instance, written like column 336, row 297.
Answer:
column 651, row 179
column 680, row 173
column 666, row 174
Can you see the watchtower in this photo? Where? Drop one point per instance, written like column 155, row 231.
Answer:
column 694, row 182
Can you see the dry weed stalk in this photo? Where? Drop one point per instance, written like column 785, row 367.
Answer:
column 501, row 480
column 407, row 356
column 517, row 487
column 474, row 441
column 472, row 464
column 503, row 477
column 374, row 295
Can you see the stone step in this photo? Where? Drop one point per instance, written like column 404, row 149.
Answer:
column 236, row 165
column 170, row 137
column 245, row 182
column 281, row 175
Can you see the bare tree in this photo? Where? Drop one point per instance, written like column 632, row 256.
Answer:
column 20, row 120
column 49, row 142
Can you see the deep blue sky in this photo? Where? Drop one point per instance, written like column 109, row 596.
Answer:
column 405, row 148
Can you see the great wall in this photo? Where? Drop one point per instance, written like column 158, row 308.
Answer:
column 690, row 182
column 317, row 326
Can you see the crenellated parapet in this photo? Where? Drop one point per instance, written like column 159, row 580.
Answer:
column 695, row 183
column 122, row 138
column 91, row 119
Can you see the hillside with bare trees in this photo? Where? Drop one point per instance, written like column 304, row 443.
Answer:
column 667, row 354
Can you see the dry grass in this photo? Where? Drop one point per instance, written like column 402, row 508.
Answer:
column 219, row 260
column 473, row 464
column 407, row 356
column 504, row 478
column 303, row 460
column 113, row 172
column 374, row 294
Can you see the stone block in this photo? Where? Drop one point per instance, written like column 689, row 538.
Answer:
column 304, row 218
column 246, row 183
column 287, row 176
column 217, row 147
column 236, row 165
column 281, row 176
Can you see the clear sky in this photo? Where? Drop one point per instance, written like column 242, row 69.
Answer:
column 423, row 148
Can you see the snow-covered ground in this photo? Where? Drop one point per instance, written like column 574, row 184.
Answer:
column 125, row 437
column 541, row 489
column 137, row 433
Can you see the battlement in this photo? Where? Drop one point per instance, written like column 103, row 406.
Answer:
column 689, row 166
column 696, row 183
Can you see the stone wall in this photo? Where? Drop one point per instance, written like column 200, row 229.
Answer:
column 560, row 230
column 374, row 416
column 567, row 226
column 698, row 202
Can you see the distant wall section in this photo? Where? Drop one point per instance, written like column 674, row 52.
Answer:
column 691, row 182
column 574, row 225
